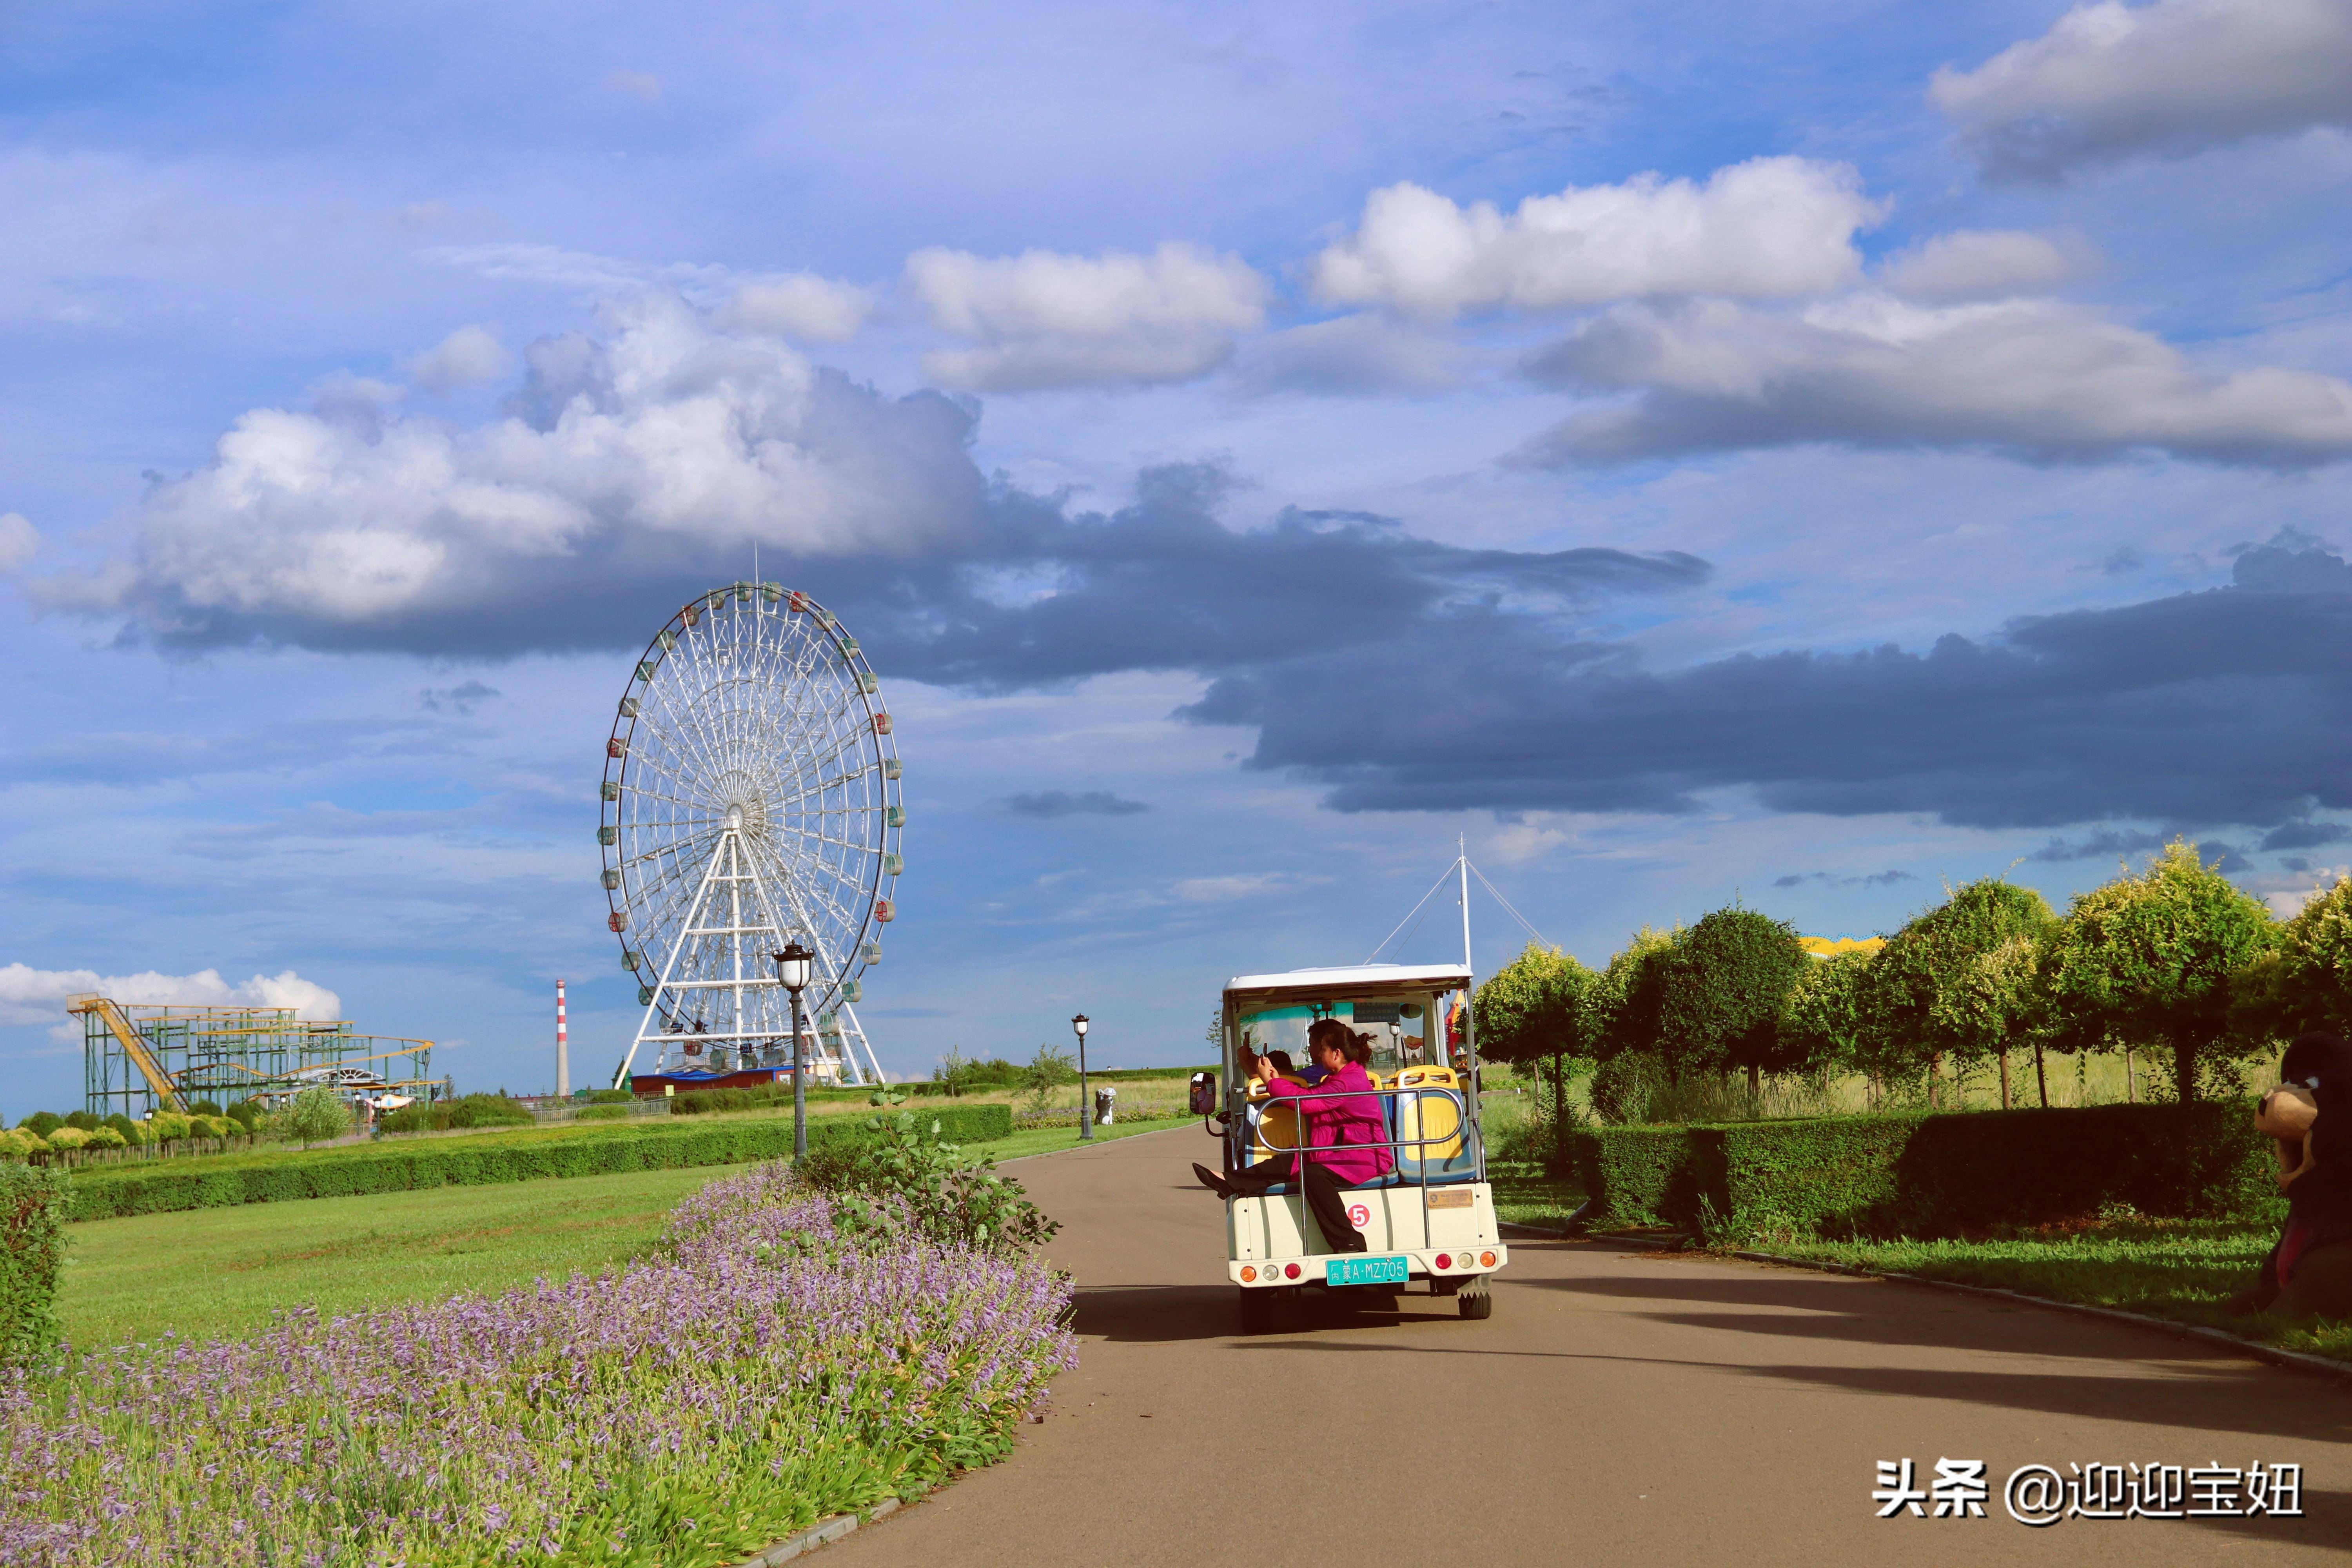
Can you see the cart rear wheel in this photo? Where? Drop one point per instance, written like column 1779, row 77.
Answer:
column 1476, row 1299
column 1257, row 1311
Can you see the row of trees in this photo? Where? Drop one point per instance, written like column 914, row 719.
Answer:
column 2174, row 960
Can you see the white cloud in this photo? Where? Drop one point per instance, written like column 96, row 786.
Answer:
column 798, row 305
column 1769, row 227
column 2032, row 378
column 2108, row 81
column 1352, row 355
column 1041, row 319
column 705, row 283
column 1224, row 889
column 1518, row 843
column 2287, row 891
column 1977, row 264
column 468, row 355
column 30, row 995
column 668, row 435
column 19, row 541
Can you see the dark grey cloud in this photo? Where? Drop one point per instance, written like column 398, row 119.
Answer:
column 2121, row 843
column 1063, row 803
column 462, row 697
column 2105, row 843
column 2232, row 705
column 1024, row 592
column 1831, row 879
column 2306, row 834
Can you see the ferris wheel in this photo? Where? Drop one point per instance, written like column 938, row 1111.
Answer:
column 750, row 798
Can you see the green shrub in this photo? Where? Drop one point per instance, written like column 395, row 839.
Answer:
column 601, row 1113
column 247, row 1114
column 1929, row 1174
column 903, row 1175
column 611, row 1097
column 286, row 1175
column 32, row 1249
column 203, row 1107
column 41, row 1123
column 484, row 1110
column 767, row 1097
column 122, row 1126
column 86, row 1121
column 470, row 1110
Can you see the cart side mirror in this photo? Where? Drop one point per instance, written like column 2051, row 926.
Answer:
column 1204, row 1094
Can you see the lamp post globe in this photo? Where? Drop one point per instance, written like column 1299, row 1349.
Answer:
column 1086, row 1105
column 792, row 975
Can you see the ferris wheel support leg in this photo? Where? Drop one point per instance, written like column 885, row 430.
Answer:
column 849, row 1055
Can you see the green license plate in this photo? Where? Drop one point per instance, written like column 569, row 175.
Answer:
column 1368, row 1270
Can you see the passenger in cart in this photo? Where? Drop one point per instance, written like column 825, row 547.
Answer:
column 1346, row 1133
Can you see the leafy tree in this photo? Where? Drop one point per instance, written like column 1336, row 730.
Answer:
column 2312, row 985
column 1825, row 1023
column 1624, row 1003
column 1962, row 980
column 41, row 1123
column 1050, row 1069
column 2162, row 957
column 1537, row 1007
column 954, row 1071
column 1726, row 981
column 318, row 1115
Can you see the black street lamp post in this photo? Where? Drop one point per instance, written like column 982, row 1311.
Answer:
column 793, row 971
column 1086, row 1105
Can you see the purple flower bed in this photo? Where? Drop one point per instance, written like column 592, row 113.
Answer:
column 757, row 1374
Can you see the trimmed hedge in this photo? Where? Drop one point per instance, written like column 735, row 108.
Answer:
column 1929, row 1175
column 479, row 1161
column 32, row 1250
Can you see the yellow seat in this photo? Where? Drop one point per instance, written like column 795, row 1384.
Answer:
column 1277, row 1125
column 1428, row 1115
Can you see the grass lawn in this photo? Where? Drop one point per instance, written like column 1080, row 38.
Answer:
column 210, row 1272
column 1053, row 1139
column 2182, row 1270
column 1528, row 1194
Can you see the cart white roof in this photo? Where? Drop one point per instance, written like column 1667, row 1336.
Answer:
column 1361, row 980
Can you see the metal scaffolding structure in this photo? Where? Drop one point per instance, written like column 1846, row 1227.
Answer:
column 140, row 1057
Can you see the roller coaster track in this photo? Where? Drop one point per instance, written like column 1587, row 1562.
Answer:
column 158, row 1080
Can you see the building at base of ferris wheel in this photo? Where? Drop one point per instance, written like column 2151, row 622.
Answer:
column 656, row 1084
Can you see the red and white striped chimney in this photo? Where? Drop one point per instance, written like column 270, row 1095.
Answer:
column 562, row 1049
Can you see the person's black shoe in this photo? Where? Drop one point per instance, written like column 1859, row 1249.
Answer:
column 1213, row 1182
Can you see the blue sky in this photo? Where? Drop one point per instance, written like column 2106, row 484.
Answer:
column 1809, row 456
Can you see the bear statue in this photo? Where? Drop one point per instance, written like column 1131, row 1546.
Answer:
column 2308, row 1117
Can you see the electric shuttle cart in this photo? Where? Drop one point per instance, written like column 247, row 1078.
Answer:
column 1431, row 1219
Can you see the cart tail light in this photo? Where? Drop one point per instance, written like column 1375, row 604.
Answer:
column 1486, row 1259
column 1249, row 1276
column 1446, row 1260
column 1290, row 1269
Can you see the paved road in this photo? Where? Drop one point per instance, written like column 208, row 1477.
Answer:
column 1618, row 1408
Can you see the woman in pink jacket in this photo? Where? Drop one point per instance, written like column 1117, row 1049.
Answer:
column 1346, row 1140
